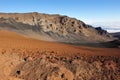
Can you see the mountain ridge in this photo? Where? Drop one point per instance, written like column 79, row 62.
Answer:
column 52, row 28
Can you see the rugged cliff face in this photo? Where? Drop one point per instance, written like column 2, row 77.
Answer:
column 52, row 28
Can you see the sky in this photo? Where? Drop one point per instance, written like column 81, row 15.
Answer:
column 89, row 11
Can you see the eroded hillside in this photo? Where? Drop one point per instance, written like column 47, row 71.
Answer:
column 52, row 28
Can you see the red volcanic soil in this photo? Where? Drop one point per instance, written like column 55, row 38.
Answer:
column 23, row 58
column 11, row 40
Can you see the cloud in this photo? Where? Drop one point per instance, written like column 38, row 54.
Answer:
column 113, row 31
column 109, row 26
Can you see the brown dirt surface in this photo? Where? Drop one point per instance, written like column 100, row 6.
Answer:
column 23, row 58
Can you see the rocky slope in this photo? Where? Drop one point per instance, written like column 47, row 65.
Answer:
column 36, row 65
column 52, row 28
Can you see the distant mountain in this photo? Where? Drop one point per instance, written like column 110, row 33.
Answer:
column 117, row 34
column 52, row 28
